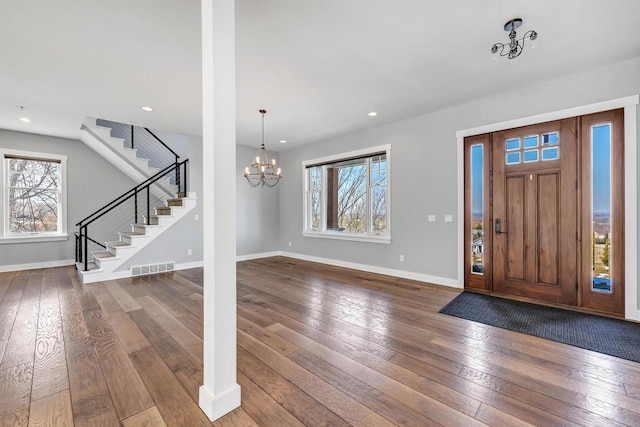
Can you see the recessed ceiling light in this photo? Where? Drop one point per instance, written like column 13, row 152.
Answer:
column 146, row 108
column 373, row 114
column 25, row 119
column 282, row 141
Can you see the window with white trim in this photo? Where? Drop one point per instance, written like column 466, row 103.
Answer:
column 33, row 196
column 347, row 196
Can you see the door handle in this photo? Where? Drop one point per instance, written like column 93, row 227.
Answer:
column 498, row 227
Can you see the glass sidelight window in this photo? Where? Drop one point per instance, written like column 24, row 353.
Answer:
column 477, row 209
column 601, row 237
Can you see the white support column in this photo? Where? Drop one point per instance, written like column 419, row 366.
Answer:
column 220, row 393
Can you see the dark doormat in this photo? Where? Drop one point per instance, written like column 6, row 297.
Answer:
column 615, row 337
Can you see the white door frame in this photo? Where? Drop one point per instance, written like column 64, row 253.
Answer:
column 629, row 104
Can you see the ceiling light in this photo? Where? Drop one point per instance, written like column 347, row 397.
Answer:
column 282, row 141
column 515, row 46
column 373, row 114
column 25, row 119
column 265, row 172
column 146, row 108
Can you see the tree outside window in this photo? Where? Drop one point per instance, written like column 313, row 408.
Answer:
column 348, row 196
column 33, row 195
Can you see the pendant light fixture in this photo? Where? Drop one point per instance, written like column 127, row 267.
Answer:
column 262, row 171
column 515, row 46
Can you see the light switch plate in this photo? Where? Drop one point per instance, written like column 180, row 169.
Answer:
column 431, row 218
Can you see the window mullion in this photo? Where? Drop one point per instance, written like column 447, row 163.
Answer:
column 323, row 198
column 368, row 195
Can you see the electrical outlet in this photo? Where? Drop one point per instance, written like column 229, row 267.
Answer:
column 401, row 258
column 431, row 218
column 188, row 251
column 197, row 217
column 448, row 218
column 289, row 244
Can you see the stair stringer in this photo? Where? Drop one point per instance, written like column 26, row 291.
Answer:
column 108, row 266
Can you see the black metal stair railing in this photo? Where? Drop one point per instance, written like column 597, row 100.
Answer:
column 147, row 143
column 132, row 205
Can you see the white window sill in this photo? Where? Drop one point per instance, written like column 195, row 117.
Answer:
column 338, row 235
column 34, row 238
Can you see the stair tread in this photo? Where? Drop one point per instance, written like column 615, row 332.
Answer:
column 102, row 254
column 131, row 233
column 118, row 244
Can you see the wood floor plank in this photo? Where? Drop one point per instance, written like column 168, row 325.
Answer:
column 50, row 365
column 187, row 370
column 10, row 303
column 172, row 400
column 390, row 407
column 148, row 418
column 293, row 399
column 317, row 345
column 508, row 404
column 52, row 411
column 123, row 297
column 90, row 399
column 493, row 417
column 3, row 347
column 339, row 402
column 262, row 407
column 272, row 340
column 236, row 418
column 177, row 330
column 632, row 391
column 15, row 390
column 73, row 323
column 22, row 341
column 130, row 336
column 127, row 389
column 437, row 411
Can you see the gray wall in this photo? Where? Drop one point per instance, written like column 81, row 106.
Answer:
column 186, row 234
column 424, row 170
column 91, row 183
column 257, row 213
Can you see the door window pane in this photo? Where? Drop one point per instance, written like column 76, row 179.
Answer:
column 550, row 138
column 513, row 144
column 513, row 158
column 601, row 243
column 477, row 209
column 550, row 153
column 530, row 156
column 530, row 141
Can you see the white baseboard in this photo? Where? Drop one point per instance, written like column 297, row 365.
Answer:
column 217, row 406
column 37, row 265
column 444, row 281
column 187, row 265
column 257, row 256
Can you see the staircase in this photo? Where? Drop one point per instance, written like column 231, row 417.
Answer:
column 119, row 152
column 103, row 264
column 108, row 238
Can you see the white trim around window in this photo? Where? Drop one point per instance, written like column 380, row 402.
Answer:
column 5, row 236
column 322, row 232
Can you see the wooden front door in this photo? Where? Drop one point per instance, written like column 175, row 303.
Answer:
column 535, row 212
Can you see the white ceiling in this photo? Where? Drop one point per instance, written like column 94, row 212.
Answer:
column 318, row 67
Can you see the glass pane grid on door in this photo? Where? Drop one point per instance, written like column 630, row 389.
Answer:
column 532, row 148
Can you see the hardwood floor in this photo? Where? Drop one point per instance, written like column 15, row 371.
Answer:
column 317, row 345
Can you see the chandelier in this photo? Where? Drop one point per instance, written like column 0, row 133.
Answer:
column 515, row 46
column 262, row 171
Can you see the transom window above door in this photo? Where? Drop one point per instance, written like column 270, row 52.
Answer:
column 532, row 148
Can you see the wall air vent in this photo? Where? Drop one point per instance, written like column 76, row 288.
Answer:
column 143, row 270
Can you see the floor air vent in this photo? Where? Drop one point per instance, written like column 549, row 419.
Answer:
column 143, row 270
